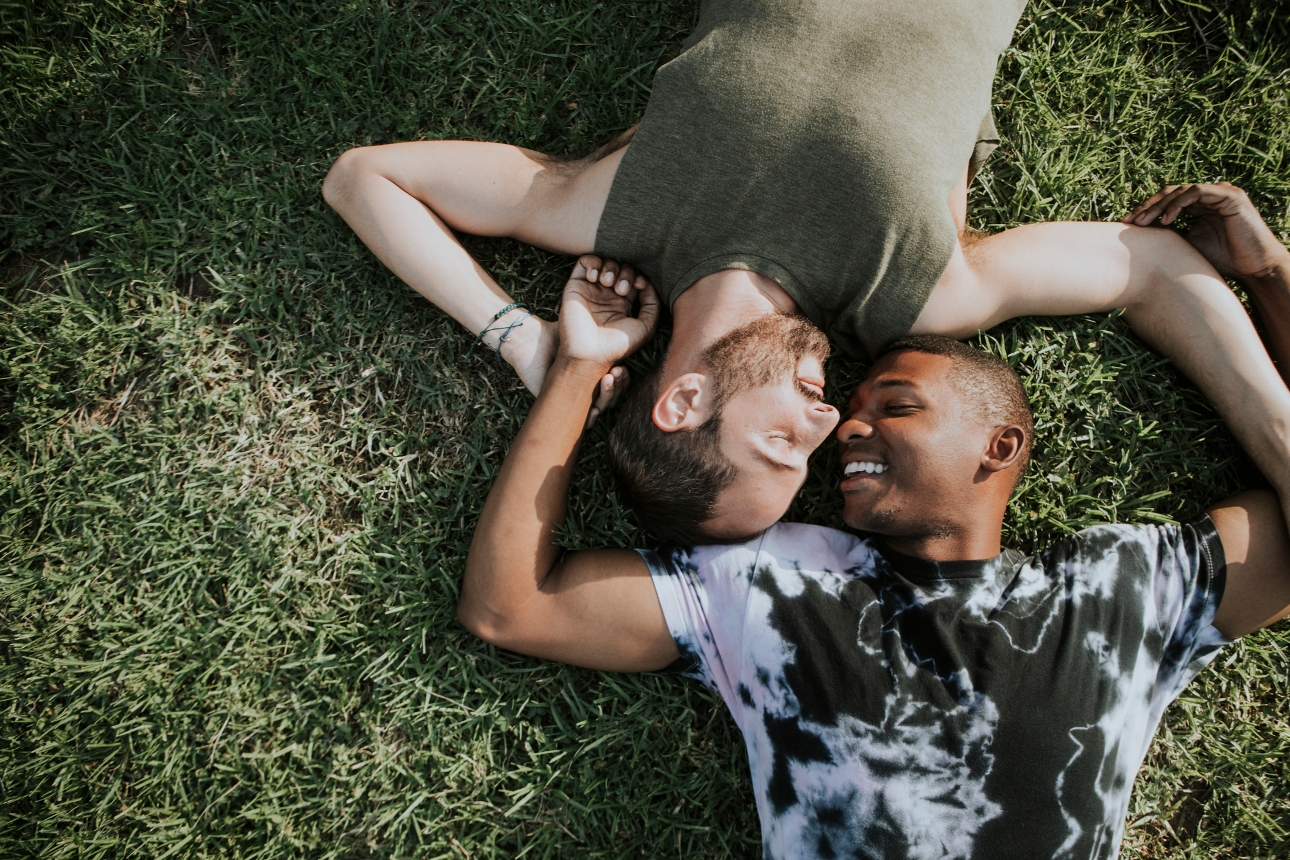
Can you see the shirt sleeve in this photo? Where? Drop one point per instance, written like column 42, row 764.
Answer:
column 1189, row 577
column 685, row 608
column 703, row 601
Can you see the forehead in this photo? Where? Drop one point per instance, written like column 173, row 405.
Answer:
column 928, row 375
column 922, row 371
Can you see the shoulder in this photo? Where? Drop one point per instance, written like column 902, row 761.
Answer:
column 792, row 545
column 814, row 547
column 1116, row 550
column 1124, row 537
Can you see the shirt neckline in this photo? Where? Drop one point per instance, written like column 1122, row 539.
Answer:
column 931, row 571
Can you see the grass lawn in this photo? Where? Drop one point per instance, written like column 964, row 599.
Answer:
column 240, row 463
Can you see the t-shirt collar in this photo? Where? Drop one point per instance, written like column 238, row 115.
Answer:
column 922, row 570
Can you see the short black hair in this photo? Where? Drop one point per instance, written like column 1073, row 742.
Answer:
column 981, row 379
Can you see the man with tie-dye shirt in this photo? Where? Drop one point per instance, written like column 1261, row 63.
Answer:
column 919, row 691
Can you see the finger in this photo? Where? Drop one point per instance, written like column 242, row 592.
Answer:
column 605, row 391
column 609, row 273
column 1149, row 209
column 648, row 313
column 1132, row 217
column 623, row 285
column 602, row 399
column 587, row 267
column 640, row 283
column 1180, row 201
column 622, row 379
column 1154, row 206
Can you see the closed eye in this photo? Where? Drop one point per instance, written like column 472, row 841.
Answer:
column 808, row 392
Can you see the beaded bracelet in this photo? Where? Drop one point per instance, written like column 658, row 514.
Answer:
column 505, row 330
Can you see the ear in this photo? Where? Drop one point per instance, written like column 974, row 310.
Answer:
column 682, row 404
column 1004, row 450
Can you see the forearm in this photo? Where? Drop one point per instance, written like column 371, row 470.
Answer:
column 1197, row 322
column 513, row 550
column 1270, row 295
column 414, row 243
column 1174, row 300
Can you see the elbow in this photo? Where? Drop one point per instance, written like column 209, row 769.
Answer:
column 484, row 621
column 481, row 623
column 337, row 187
column 492, row 628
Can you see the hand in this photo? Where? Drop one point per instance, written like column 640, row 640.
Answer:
column 596, row 324
column 1226, row 227
column 608, row 391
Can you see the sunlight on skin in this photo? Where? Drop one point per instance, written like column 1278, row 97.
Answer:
column 769, row 433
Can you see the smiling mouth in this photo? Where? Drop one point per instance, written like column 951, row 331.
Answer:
column 865, row 467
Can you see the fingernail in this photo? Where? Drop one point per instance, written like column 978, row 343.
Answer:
column 593, row 274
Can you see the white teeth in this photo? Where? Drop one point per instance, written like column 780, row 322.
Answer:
column 868, row 468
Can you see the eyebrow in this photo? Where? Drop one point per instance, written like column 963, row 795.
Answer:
column 895, row 383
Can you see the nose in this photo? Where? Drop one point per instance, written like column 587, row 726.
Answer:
column 854, row 428
column 818, row 422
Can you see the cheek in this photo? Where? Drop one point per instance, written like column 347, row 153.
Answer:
column 941, row 464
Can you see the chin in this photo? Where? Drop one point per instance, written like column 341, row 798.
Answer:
column 883, row 521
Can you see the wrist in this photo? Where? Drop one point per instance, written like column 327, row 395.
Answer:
column 581, row 369
column 1275, row 277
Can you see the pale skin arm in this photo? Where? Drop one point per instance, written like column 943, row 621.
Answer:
column 404, row 199
column 1173, row 299
column 595, row 609
column 1231, row 235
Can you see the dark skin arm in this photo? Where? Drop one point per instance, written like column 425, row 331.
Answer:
column 1228, row 231
column 595, row 609
column 1258, row 562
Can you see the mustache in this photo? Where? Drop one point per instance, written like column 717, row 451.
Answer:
column 847, row 449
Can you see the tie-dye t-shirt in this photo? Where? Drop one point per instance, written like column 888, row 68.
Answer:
column 897, row 708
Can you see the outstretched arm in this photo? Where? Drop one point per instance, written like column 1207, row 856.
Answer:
column 594, row 609
column 405, row 199
column 1172, row 296
column 1230, row 233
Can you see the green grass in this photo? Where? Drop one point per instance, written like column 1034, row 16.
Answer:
column 240, row 464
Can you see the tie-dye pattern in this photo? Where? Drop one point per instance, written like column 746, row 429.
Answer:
column 899, row 708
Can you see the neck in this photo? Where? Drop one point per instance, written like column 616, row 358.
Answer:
column 976, row 538
column 713, row 306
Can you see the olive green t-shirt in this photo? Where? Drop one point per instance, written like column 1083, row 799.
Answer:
column 815, row 142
